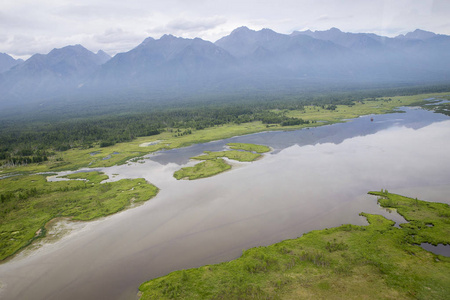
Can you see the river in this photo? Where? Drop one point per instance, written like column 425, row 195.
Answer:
column 313, row 179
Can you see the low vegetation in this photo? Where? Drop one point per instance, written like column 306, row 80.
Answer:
column 204, row 169
column 243, row 156
column 249, row 147
column 378, row 261
column 214, row 164
column 29, row 202
column 107, row 141
column 32, row 145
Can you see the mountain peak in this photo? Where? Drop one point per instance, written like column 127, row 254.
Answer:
column 147, row 41
column 334, row 29
column 418, row 34
column 240, row 30
column 168, row 37
column 7, row 62
column 69, row 49
column 103, row 56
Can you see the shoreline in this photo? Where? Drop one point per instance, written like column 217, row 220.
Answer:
column 191, row 214
column 289, row 128
column 75, row 159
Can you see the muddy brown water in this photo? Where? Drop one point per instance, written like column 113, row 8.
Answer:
column 313, row 179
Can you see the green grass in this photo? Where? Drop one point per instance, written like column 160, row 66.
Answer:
column 91, row 177
column 213, row 164
column 242, row 156
column 377, row 261
column 342, row 112
column 427, row 222
column 74, row 159
column 29, row 202
column 249, row 147
column 204, row 169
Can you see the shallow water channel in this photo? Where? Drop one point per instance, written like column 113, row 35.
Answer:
column 313, row 179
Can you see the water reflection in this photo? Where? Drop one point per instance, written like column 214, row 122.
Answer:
column 317, row 178
column 440, row 249
column 415, row 118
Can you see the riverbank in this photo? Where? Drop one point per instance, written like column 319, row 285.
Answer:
column 30, row 202
column 347, row 262
column 313, row 179
column 120, row 153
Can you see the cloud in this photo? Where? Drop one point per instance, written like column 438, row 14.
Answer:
column 115, row 40
column 188, row 27
column 197, row 25
column 116, row 10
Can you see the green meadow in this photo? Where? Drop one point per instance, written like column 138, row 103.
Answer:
column 377, row 261
column 29, row 202
column 249, row 147
column 204, row 169
column 242, row 156
column 214, row 164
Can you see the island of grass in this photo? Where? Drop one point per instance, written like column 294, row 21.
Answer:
column 30, row 202
column 204, row 169
column 213, row 163
column 378, row 261
column 242, row 156
column 249, row 147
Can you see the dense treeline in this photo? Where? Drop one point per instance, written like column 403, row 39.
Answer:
column 33, row 138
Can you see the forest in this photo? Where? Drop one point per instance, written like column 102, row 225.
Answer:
column 33, row 137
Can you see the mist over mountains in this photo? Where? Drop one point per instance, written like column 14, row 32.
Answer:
column 246, row 61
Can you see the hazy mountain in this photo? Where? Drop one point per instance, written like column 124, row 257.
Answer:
column 416, row 56
column 244, row 61
column 103, row 56
column 51, row 74
column 168, row 61
column 7, row 62
column 354, row 41
column 275, row 56
column 417, row 34
column 244, row 42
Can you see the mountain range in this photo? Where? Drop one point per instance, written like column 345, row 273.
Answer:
column 245, row 60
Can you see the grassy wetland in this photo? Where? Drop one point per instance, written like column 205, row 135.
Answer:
column 99, row 154
column 377, row 261
column 29, row 201
column 214, row 164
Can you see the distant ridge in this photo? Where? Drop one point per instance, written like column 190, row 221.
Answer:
column 246, row 60
column 7, row 62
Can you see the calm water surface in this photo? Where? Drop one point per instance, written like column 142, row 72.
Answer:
column 314, row 179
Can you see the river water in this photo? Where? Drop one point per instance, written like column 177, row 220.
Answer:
column 313, row 179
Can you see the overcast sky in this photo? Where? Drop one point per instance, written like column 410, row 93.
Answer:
column 30, row 26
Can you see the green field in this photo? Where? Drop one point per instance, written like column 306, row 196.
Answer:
column 378, row 261
column 214, row 164
column 204, row 169
column 242, row 156
column 249, row 147
column 29, row 202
